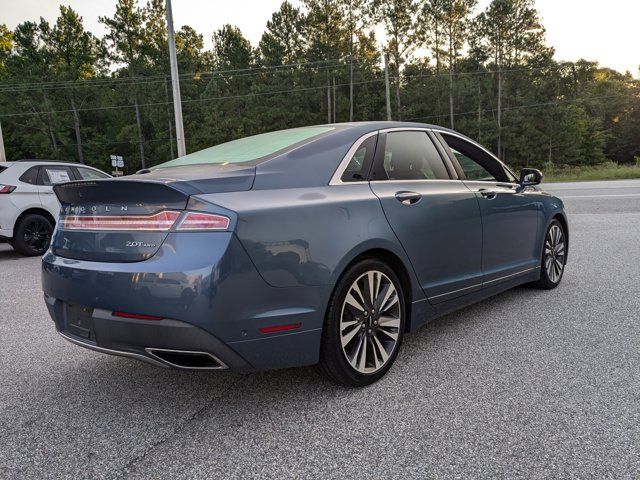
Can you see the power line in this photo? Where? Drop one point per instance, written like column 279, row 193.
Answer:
column 193, row 100
column 145, row 79
column 250, row 72
column 521, row 107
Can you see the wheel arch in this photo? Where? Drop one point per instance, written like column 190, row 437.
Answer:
column 400, row 268
column 562, row 219
column 37, row 211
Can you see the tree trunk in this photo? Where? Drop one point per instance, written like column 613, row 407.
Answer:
column 76, row 127
column 49, row 124
column 451, row 97
column 333, row 107
column 139, row 124
column 479, row 106
column 451, row 60
column 328, row 100
column 351, row 79
column 397, row 59
column 169, row 122
column 499, row 110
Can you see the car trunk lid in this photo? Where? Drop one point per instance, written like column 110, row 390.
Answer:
column 127, row 219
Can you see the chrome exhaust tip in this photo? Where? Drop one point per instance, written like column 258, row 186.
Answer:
column 187, row 359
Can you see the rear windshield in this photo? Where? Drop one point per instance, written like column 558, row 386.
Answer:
column 2, row 168
column 249, row 149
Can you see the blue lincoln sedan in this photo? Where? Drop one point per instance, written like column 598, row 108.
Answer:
column 322, row 244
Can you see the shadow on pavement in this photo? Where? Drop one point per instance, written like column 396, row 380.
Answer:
column 8, row 253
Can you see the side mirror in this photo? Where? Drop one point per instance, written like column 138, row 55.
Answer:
column 530, row 177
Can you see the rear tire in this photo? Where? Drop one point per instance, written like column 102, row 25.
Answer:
column 554, row 257
column 364, row 325
column 32, row 235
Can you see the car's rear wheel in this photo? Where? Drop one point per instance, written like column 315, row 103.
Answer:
column 554, row 257
column 32, row 235
column 364, row 325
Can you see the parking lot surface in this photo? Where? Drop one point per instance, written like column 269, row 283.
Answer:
column 528, row 384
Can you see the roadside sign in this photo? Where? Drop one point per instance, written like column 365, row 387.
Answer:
column 117, row 161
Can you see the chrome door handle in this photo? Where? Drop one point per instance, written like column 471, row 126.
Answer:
column 488, row 194
column 408, row 198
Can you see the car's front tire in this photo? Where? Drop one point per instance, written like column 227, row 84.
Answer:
column 554, row 257
column 32, row 235
column 364, row 325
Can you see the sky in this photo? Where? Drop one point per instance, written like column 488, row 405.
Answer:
column 595, row 30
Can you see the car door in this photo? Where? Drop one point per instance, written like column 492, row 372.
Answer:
column 511, row 215
column 48, row 177
column 435, row 217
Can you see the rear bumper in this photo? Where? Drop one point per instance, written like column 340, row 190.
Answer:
column 100, row 331
column 221, row 305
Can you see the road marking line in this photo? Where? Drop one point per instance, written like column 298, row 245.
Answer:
column 600, row 196
column 590, row 187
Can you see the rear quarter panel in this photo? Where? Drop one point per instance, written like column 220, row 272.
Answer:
column 308, row 236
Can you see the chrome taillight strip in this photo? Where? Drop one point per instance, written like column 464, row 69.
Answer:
column 159, row 222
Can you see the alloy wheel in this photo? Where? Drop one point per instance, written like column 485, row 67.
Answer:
column 554, row 253
column 370, row 322
column 37, row 235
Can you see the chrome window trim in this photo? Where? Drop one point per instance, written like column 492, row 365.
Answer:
column 337, row 175
column 476, row 144
column 336, row 179
column 417, row 181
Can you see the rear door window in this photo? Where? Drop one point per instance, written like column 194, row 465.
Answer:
column 412, row 155
column 51, row 175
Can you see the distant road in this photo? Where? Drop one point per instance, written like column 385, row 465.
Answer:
column 615, row 196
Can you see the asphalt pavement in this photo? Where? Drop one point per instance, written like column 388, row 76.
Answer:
column 534, row 384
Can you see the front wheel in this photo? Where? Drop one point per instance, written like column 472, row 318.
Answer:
column 364, row 325
column 554, row 257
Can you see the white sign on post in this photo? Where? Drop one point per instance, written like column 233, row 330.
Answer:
column 117, row 161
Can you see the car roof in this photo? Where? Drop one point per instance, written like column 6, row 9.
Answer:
column 31, row 163
column 383, row 124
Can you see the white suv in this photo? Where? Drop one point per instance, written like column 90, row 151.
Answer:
column 28, row 207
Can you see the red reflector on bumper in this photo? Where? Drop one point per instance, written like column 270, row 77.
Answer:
column 280, row 328
column 138, row 316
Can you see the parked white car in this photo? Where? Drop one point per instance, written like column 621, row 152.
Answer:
column 28, row 207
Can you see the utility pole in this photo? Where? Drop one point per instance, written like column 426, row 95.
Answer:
column 3, row 155
column 175, row 83
column 386, row 85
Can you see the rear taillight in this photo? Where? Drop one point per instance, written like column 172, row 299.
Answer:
column 6, row 188
column 196, row 221
column 160, row 222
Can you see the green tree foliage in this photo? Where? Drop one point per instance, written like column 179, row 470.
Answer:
column 65, row 94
